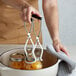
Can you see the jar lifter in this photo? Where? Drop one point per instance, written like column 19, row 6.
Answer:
column 30, row 51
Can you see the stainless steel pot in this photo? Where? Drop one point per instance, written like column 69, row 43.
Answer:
column 50, row 64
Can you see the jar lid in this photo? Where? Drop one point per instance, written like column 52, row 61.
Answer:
column 17, row 57
column 30, row 59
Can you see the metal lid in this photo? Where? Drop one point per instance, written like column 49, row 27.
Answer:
column 17, row 57
column 30, row 59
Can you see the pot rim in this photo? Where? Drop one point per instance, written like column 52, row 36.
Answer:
column 26, row 70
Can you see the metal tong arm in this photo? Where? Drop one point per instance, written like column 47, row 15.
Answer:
column 29, row 38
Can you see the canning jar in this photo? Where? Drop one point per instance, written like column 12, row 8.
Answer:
column 16, row 61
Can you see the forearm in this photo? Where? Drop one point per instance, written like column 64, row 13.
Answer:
column 51, row 17
column 19, row 4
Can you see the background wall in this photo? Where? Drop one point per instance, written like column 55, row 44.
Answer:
column 67, row 22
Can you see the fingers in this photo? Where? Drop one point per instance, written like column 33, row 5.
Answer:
column 56, row 47
column 24, row 15
column 64, row 50
column 59, row 47
column 27, row 14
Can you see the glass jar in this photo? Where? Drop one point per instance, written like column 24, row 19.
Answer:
column 16, row 61
column 34, row 66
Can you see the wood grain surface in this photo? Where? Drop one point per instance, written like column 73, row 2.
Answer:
column 12, row 29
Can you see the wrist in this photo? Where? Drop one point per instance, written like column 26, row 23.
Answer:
column 56, row 39
column 25, row 5
column 55, row 36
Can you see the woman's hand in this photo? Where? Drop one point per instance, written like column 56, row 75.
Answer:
column 59, row 47
column 27, row 13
